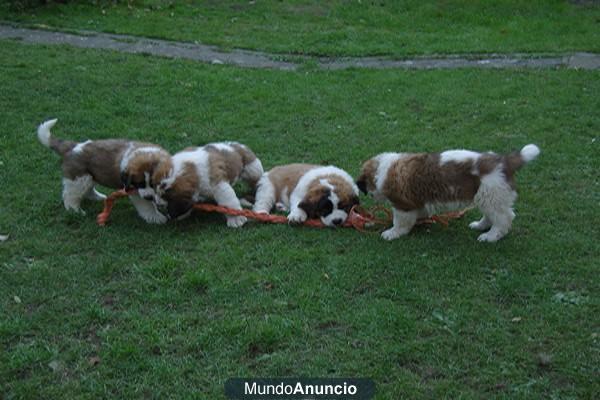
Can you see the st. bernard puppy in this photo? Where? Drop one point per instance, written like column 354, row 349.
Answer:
column 421, row 184
column 207, row 173
column 114, row 163
column 307, row 191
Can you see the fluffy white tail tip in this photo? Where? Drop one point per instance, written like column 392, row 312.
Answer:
column 44, row 131
column 530, row 152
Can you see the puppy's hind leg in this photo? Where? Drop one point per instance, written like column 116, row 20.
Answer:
column 495, row 199
column 403, row 223
column 225, row 196
column 246, row 203
column 501, row 223
column 74, row 190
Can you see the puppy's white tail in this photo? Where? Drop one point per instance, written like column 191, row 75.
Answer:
column 45, row 137
column 44, row 134
column 515, row 160
column 530, row 152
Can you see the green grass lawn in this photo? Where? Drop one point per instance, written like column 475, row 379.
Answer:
column 176, row 310
column 341, row 27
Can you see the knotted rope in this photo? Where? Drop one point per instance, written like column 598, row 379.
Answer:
column 359, row 218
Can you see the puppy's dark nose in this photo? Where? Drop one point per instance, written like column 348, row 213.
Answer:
column 337, row 221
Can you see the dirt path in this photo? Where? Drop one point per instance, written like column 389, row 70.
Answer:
column 257, row 59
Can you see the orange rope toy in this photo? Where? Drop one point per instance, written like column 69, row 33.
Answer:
column 359, row 218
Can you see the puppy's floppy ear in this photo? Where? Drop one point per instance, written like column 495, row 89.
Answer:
column 362, row 185
column 324, row 206
column 176, row 208
column 309, row 208
column 152, row 167
column 355, row 200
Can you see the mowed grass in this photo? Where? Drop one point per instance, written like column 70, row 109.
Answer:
column 133, row 310
column 340, row 27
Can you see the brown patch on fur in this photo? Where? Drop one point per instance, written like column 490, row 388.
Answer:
column 180, row 194
column 152, row 163
column 417, row 179
column 162, row 171
column 247, row 155
column 102, row 160
column 344, row 191
column 509, row 163
column 316, row 192
column 512, row 162
column 187, row 182
column 224, row 165
column 287, row 177
column 250, row 175
column 366, row 179
column 61, row 146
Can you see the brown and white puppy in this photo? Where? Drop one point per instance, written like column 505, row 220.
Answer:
column 114, row 163
column 419, row 185
column 207, row 173
column 308, row 191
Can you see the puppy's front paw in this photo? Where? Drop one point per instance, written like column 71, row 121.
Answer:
column 480, row 225
column 391, row 234
column 75, row 209
column 236, row 222
column 489, row 237
column 156, row 218
column 297, row 216
column 279, row 206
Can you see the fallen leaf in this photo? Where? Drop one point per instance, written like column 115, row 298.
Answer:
column 570, row 297
column 55, row 365
column 3, row 238
column 17, row 299
column 94, row 361
column 544, row 360
column 516, row 319
column 282, row 303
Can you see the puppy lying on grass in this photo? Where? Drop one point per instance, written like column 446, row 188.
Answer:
column 307, row 191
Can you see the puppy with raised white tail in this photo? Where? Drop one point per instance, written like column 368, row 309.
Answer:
column 207, row 173
column 114, row 163
column 307, row 191
column 422, row 184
